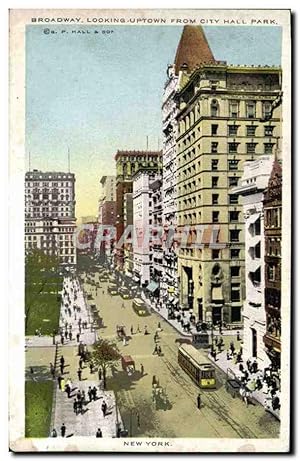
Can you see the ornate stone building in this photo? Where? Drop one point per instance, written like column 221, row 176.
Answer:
column 50, row 214
column 226, row 115
column 273, row 225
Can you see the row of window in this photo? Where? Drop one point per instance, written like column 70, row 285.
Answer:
column 215, row 255
column 48, row 184
column 235, row 110
column 232, row 148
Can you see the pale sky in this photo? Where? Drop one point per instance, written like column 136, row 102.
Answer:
column 97, row 93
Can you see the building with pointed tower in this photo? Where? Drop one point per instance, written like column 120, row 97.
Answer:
column 226, row 115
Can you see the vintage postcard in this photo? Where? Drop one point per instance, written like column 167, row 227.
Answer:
column 150, row 191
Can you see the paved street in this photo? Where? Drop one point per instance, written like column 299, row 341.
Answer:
column 177, row 416
column 220, row 415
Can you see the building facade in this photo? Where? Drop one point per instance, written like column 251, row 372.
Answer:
column 127, row 164
column 107, row 211
column 145, row 185
column 169, row 277
column 107, row 201
column 273, row 225
column 251, row 188
column 50, row 220
column 226, row 115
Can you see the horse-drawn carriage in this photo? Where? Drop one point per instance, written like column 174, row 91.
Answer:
column 128, row 364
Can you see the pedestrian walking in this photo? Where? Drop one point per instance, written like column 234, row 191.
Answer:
column 81, row 363
column 146, row 330
column 131, row 330
column 66, row 334
column 159, row 350
column 83, row 398
column 198, row 401
column 70, row 335
column 80, row 406
column 53, row 433
column 99, row 374
column 91, row 368
column 62, row 339
column 59, row 382
column 79, row 373
column 62, row 360
column 155, row 350
column 238, row 336
column 231, row 347
column 62, row 368
column 104, row 408
column 77, row 337
column 75, row 407
column 69, row 390
column 78, row 395
column 99, row 432
column 63, row 430
column 94, row 393
column 142, row 369
column 90, row 394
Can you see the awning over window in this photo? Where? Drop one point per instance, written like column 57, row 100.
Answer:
column 216, row 294
column 152, row 286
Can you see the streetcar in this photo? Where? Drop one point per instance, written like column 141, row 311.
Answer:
column 192, row 362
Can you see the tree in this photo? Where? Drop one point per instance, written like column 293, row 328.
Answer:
column 105, row 354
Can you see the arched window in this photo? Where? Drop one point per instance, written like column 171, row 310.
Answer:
column 214, row 108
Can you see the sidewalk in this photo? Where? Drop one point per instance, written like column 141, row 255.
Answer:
column 257, row 395
column 163, row 312
column 75, row 311
column 86, row 424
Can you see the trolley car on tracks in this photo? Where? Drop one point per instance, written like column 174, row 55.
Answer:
column 192, row 361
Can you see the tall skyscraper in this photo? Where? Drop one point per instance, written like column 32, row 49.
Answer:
column 50, row 214
column 226, row 114
column 127, row 164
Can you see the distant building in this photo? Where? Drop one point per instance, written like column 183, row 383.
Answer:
column 87, row 219
column 50, row 214
column 127, row 164
column 143, row 208
column 107, row 201
column 251, row 187
column 273, row 230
